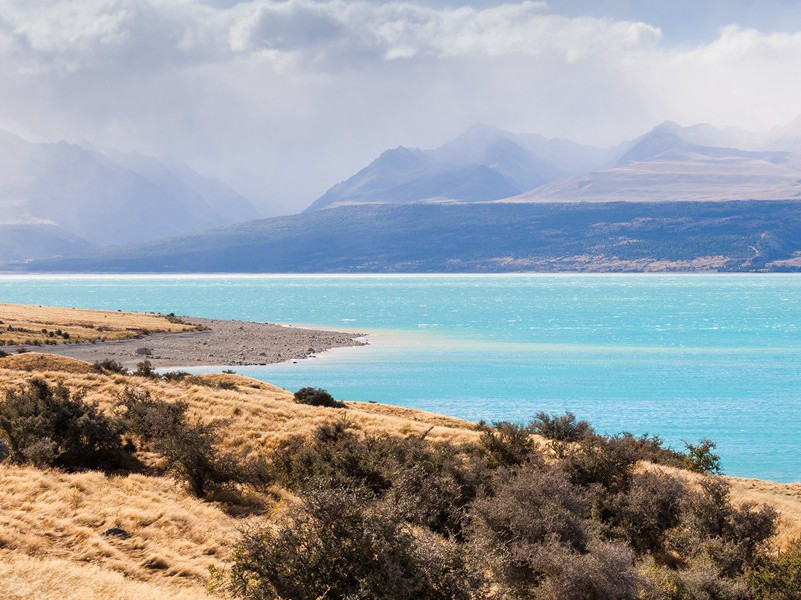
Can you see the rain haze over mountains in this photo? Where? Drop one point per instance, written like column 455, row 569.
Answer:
column 134, row 121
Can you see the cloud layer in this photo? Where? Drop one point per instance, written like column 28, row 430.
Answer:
column 285, row 98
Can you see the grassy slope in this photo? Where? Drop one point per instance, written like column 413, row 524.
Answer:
column 51, row 521
column 22, row 324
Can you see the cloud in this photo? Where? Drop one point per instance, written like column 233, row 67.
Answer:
column 283, row 98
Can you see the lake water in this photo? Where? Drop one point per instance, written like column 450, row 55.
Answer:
column 682, row 356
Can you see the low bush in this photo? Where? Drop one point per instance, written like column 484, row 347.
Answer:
column 189, row 448
column 109, row 366
column 701, row 458
column 317, row 397
column 505, row 444
column 48, row 426
column 729, row 537
column 145, row 369
column 777, row 577
column 338, row 544
column 562, row 428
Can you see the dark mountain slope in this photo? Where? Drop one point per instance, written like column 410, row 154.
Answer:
column 480, row 238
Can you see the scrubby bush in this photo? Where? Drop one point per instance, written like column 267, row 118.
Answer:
column 701, row 458
column 602, row 461
column 777, row 577
column 190, row 449
column 533, row 535
column 642, row 514
column 562, row 428
column 429, row 484
column 109, row 366
column 145, row 369
column 339, row 544
column 48, row 426
column 730, row 537
column 505, row 444
column 317, row 397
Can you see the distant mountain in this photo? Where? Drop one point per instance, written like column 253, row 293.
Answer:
column 480, row 165
column 480, row 237
column 32, row 240
column 96, row 198
column 666, row 165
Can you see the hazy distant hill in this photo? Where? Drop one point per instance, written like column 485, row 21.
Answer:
column 482, row 164
column 669, row 163
column 94, row 198
column 622, row 236
column 666, row 165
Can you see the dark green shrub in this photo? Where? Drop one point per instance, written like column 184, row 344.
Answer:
column 428, row 484
column 777, row 577
column 317, row 397
column 46, row 426
column 334, row 455
column 339, row 544
column 701, row 458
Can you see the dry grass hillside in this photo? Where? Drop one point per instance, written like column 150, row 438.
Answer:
column 37, row 325
column 51, row 522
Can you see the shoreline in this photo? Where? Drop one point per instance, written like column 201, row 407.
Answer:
column 222, row 343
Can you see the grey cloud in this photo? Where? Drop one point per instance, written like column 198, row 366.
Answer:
column 283, row 99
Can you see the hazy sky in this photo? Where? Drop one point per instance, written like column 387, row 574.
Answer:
column 284, row 98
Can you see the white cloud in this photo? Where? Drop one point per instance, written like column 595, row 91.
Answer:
column 283, row 98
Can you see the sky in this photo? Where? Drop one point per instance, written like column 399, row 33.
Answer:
column 282, row 99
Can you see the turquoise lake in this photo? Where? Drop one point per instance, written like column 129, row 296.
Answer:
column 682, row 356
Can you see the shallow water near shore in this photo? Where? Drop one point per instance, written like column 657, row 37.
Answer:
column 682, row 356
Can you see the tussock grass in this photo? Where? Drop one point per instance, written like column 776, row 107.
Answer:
column 50, row 521
column 37, row 325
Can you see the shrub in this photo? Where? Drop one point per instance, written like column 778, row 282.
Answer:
column 317, row 397
column 46, row 426
column 562, row 428
column 645, row 511
column 602, row 461
column 777, row 577
column 531, row 515
column 145, row 369
column 505, row 444
column 109, row 366
column 339, row 544
column 730, row 537
column 701, row 458
column 189, row 448
column 605, row 571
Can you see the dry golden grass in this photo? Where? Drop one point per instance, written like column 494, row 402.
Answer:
column 50, row 522
column 27, row 325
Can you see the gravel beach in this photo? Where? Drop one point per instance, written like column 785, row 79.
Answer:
column 222, row 343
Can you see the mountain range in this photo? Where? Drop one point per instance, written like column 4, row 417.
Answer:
column 63, row 198
column 675, row 198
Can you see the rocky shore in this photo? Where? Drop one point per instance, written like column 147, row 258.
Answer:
column 220, row 343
